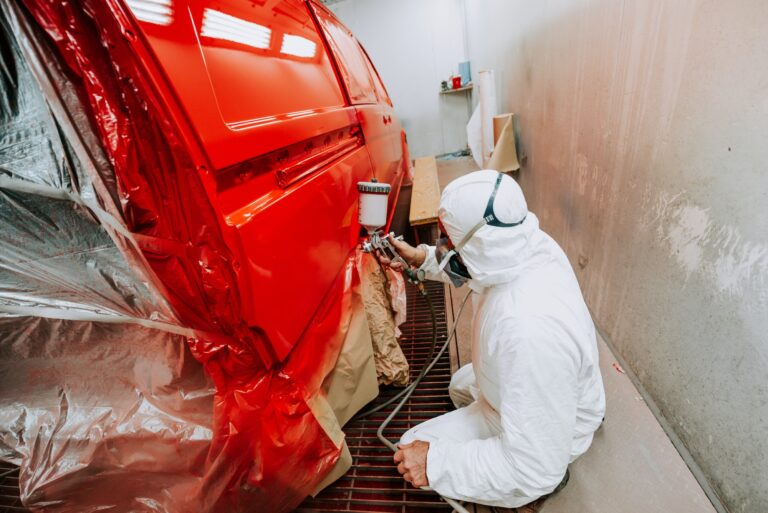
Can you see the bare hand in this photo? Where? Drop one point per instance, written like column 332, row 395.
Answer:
column 414, row 256
column 412, row 462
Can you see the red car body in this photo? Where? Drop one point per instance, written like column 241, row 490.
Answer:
column 288, row 132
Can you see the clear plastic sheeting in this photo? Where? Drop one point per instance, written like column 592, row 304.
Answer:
column 54, row 251
column 94, row 412
column 85, row 407
column 129, row 379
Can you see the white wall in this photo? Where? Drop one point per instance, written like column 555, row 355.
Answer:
column 645, row 125
column 415, row 45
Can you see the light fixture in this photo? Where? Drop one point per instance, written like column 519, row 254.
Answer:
column 158, row 12
column 298, row 46
column 218, row 25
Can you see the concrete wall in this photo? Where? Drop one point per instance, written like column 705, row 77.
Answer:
column 415, row 45
column 645, row 125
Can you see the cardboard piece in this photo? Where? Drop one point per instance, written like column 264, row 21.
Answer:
column 504, row 157
column 352, row 383
column 498, row 125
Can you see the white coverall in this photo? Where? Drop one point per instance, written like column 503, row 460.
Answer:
column 533, row 396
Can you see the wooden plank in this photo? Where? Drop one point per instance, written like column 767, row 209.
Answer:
column 425, row 195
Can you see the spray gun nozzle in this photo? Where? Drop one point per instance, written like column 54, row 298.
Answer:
column 377, row 242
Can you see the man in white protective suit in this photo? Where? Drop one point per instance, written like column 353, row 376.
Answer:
column 532, row 398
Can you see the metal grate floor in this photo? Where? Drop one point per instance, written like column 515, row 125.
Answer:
column 373, row 484
column 9, row 489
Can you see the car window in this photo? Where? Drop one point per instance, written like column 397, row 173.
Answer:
column 351, row 59
column 381, row 91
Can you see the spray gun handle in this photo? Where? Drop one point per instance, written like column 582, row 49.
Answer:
column 415, row 276
column 377, row 242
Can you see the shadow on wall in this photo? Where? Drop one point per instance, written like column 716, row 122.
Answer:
column 645, row 126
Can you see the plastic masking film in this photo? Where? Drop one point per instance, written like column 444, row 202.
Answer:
column 115, row 269
column 101, row 414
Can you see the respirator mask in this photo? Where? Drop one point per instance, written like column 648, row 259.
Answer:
column 448, row 257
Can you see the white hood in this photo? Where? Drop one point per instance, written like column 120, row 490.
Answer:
column 494, row 254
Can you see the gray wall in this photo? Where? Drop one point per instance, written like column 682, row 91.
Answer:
column 645, row 125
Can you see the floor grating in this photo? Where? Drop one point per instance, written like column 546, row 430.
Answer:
column 373, row 484
column 9, row 489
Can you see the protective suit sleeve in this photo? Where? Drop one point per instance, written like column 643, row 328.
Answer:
column 430, row 266
column 538, row 402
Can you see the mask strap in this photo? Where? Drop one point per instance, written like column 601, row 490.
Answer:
column 461, row 244
column 442, row 263
column 469, row 235
column 490, row 216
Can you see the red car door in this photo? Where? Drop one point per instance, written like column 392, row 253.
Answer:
column 379, row 123
column 286, row 148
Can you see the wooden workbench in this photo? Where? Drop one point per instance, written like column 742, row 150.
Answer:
column 425, row 199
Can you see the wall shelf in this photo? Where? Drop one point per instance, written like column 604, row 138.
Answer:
column 467, row 87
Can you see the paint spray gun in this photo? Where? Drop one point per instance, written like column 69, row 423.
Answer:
column 377, row 241
column 372, row 216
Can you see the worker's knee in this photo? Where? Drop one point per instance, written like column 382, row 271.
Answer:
column 462, row 389
column 460, row 398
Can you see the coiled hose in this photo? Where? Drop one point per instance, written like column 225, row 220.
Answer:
column 406, row 393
